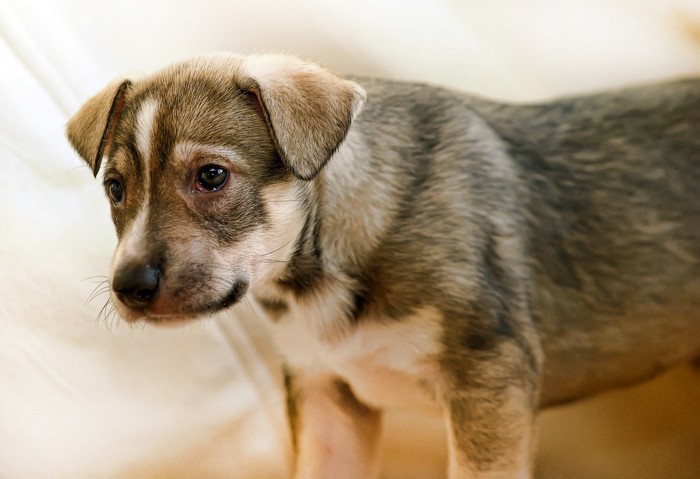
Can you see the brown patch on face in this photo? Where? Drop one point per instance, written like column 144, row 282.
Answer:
column 199, row 109
column 125, row 166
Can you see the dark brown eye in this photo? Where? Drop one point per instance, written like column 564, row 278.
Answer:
column 211, row 178
column 115, row 190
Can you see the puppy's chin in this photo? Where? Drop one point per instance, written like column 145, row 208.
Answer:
column 133, row 316
column 169, row 321
column 165, row 311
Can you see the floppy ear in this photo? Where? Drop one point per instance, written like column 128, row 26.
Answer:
column 308, row 110
column 91, row 129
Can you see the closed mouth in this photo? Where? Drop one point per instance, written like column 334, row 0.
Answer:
column 237, row 291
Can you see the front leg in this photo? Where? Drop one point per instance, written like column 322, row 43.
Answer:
column 490, row 438
column 490, row 400
column 335, row 435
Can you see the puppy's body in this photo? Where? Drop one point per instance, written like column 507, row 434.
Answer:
column 592, row 202
column 443, row 250
column 612, row 184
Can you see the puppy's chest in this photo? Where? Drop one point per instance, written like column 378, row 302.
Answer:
column 387, row 362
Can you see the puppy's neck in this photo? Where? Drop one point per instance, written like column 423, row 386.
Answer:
column 330, row 238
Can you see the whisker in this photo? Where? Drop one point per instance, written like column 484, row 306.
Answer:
column 276, row 250
column 250, row 306
column 94, row 277
column 99, row 290
column 104, row 309
column 108, row 320
column 104, row 313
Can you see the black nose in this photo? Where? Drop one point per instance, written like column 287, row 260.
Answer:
column 136, row 284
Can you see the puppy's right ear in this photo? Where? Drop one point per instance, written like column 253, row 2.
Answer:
column 91, row 129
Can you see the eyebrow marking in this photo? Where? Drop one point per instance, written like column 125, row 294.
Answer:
column 145, row 123
column 186, row 151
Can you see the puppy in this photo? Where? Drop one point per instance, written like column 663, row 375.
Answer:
column 412, row 246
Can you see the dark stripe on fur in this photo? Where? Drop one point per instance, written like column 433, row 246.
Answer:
column 292, row 411
column 305, row 268
column 274, row 308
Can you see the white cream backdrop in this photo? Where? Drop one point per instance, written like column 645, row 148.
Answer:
column 81, row 397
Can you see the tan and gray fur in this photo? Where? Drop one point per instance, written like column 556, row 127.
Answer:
column 413, row 246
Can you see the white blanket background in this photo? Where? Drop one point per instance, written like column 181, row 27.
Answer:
column 85, row 397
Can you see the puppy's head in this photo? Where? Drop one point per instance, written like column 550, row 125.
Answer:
column 206, row 165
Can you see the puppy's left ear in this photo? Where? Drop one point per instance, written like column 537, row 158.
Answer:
column 308, row 110
column 91, row 129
